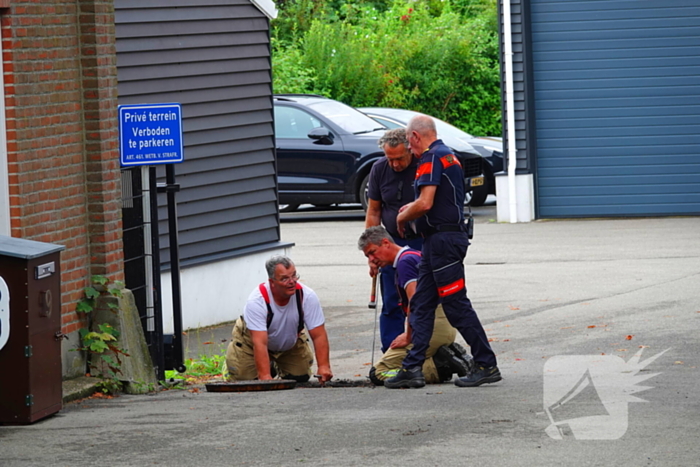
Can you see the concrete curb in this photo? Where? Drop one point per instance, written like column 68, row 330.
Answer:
column 79, row 388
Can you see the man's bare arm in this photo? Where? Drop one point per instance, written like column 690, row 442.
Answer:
column 402, row 340
column 373, row 218
column 374, row 213
column 322, row 350
column 262, row 358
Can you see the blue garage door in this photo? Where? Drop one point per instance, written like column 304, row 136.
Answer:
column 617, row 90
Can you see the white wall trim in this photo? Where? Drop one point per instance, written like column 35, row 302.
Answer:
column 524, row 196
column 267, row 7
column 4, row 171
column 215, row 293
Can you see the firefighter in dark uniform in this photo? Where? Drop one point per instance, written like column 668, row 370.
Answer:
column 438, row 215
column 390, row 187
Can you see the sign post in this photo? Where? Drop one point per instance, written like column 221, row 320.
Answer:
column 151, row 134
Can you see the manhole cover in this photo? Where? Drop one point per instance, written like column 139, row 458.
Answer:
column 251, row 385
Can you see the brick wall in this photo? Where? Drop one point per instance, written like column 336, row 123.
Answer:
column 59, row 63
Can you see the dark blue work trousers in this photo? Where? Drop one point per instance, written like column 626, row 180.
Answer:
column 392, row 321
column 441, row 280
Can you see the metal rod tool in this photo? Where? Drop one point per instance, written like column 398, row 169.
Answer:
column 373, row 304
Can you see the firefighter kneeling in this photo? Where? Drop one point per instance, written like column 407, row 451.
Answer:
column 269, row 339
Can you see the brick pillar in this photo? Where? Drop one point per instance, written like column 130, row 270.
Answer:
column 98, row 62
column 59, row 64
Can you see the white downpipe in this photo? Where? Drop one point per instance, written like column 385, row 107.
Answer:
column 267, row 7
column 4, row 169
column 510, row 112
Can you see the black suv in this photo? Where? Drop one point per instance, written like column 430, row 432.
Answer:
column 325, row 150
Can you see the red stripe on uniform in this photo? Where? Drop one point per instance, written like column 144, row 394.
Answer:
column 449, row 160
column 424, row 169
column 449, row 289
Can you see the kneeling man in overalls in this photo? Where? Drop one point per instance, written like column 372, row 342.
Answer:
column 444, row 356
column 269, row 339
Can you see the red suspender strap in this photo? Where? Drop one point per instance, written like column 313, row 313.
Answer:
column 409, row 252
column 266, row 297
column 300, row 298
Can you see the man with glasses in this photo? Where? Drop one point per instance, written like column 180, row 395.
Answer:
column 444, row 356
column 390, row 187
column 269, row 339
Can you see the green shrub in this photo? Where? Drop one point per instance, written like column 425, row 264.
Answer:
column 440, row 58
column 289, row 74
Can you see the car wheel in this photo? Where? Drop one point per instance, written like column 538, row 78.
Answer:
column 288, row 207
column 477, row 196
column 364, row 192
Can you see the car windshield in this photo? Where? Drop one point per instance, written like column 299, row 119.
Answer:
column 349, row 119
column 445, row 129
column 390, row 124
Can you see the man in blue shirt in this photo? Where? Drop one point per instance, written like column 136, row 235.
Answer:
column 438, row 212
column 390, row 187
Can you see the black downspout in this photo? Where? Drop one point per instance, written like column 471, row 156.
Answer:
column 170, row 189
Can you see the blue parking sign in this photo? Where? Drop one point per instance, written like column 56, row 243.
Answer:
column 150, row 134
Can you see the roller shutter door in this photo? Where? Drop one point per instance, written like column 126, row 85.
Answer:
column 617, row 98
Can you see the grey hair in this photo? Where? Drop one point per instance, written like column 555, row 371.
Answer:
column 423, row 125
column 272, row 263
column 373, row 236
column 393, row 138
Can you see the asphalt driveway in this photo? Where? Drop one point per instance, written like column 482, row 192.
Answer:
column 569, row 305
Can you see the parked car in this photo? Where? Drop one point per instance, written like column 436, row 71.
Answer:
column 489, row 147
column 325, row 150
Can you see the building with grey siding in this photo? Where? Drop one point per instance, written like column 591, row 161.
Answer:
column 212, row 57
column 606, row 106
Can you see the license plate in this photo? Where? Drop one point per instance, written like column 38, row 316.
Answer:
column 477, row 181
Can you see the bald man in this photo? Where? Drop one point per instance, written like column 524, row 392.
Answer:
column 438, row 212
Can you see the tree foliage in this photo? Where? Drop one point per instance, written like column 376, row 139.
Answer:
column 439, row 57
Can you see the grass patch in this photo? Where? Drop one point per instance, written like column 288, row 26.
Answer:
column 199, row 370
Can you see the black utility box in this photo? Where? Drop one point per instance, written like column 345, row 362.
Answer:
column 30, row 330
